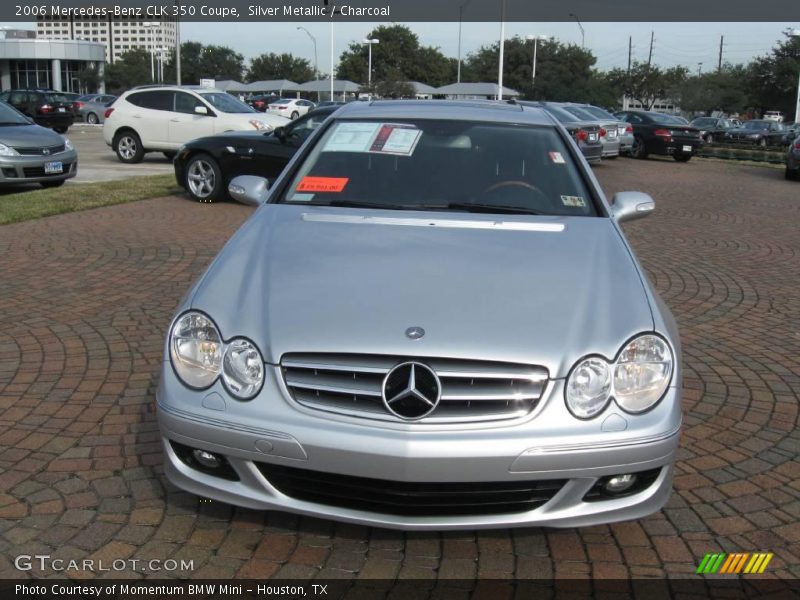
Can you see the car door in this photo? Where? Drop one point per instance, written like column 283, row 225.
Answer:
column 185, row 123
column 150, row 116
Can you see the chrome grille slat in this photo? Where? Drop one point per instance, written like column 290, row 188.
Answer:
column 471, row 390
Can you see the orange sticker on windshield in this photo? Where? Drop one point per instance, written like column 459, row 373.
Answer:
column 322, row 184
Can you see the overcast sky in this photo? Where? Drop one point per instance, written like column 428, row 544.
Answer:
column 675, row 43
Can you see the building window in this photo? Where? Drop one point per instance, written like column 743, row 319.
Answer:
column 29, row 74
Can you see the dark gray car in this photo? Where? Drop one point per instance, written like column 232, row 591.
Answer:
column 30, row 153
column 432, row 321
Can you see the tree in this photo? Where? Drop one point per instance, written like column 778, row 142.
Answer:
column 563, row 71
column 130, row 69
column 280, row 66
column 773, row 78
column 398, row 55
column 205, row 62
column 721, row 90
column 646, row 83
column 88, row 79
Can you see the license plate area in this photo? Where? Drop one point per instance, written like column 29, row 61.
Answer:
column 687, row 148
column 51, row 168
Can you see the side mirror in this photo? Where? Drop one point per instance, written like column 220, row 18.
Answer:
column 200, row 110
column 627, row 206
column 249, row 189
column 280, row 133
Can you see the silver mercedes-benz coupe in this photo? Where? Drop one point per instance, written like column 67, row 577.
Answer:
column 432, row 321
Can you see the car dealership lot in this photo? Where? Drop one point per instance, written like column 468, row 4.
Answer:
column 87, row 298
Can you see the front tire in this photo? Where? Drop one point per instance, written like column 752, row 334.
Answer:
column 128, row 146
column 204, row 179
column 638, row 150
column 682, row 157
column 92, row 119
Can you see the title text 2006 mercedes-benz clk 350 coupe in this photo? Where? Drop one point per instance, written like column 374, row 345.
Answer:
column 432, row 321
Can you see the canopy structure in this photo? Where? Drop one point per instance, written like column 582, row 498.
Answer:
column 472, row 91
column 228, row 85
column 422, row 90
column 276, row 86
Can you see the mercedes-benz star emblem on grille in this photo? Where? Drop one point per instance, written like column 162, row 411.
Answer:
column 411, row 391
column 415, row 333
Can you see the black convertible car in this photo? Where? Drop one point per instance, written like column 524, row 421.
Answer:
column 659, row 133
column 205, row 166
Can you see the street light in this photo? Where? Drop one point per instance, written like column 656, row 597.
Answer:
column 502, row 49
column 578, row 21
column 370, row 42
column 313, row 39
column 536, row 39
column 151, row 49
column 460, row 13
column 178, row 44
column 796, row 33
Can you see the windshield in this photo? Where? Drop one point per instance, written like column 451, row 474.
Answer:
column 442, row 165
column 226, row 103
column 10, row 116
column 599, row 112
column 755, row 125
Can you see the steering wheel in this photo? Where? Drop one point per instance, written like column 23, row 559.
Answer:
column 543, row 199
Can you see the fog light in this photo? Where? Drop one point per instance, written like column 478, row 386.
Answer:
column 207, row 459
column 618, row 483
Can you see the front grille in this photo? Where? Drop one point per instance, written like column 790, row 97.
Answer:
column 410, row 498
column 39, row 171
column 471, row 390
column 40, row 151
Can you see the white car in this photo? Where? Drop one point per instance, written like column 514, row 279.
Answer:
column 290, row 107
column 773, row 115
column 163, row 118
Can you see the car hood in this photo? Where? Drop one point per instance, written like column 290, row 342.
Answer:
column 28, row 136
column 309, row 279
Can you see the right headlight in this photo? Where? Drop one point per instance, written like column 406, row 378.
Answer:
column 195, row 347
column 636, row 380
column 7, row 151
column 242, row 368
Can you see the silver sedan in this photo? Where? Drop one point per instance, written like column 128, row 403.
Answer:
column 432, row 321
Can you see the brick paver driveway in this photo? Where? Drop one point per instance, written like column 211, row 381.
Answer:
column 85, row 300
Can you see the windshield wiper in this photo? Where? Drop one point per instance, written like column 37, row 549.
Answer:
column 493, row 208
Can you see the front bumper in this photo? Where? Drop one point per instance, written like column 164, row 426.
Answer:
column 547, row 445
column 16, row 170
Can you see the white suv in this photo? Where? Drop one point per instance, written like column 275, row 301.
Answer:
column 162, row 118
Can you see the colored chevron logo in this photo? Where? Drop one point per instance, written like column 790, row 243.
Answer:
column 732, row 564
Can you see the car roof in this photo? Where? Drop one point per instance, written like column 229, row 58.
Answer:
column 475, row 110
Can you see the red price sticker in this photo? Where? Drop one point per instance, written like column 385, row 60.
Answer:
column 322, row 184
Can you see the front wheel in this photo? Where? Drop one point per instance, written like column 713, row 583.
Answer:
column 682, row 157
column 638, row 149
column 204, row 179
column 92, row 119
column 128, row 147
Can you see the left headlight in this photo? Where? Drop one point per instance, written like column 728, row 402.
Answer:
column 260, row 125
column 195, row 347
column 242, row 368
column 642, row 373
column 68, row 145
column 637, row 379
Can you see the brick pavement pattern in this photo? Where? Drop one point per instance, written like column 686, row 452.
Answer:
column 85, row 300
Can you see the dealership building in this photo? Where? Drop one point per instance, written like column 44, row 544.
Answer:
column 30, row 62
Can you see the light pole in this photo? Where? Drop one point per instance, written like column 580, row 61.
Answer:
column 502, row 49
column 313, row 39
column 151, row 49
column 578, row 21
column 369, row 42
column 536, row 39
column 699, row 69
column 460, row 14
column 796, row 33
column 178, row 44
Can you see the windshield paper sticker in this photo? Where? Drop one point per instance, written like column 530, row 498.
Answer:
column 322, row 184
column 302, row 197
column 557, row 158
column 576, row 201
column 374, row 138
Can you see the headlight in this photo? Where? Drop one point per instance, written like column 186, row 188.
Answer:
column 642, row 373
column 68, row 145
column 195, row 348
column 260, row 125
column 7, row 151
column 588, row 387
column 242, row 368
column 636, row 380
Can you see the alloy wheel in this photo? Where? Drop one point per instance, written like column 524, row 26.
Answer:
column 127, row 147
column 201, row 179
